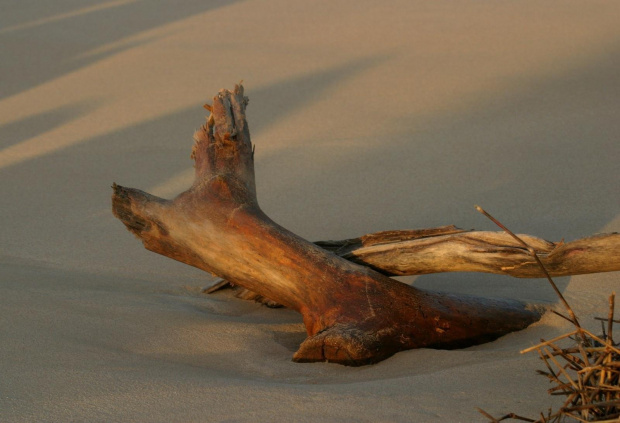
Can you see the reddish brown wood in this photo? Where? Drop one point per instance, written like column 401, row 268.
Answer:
column 353, row 314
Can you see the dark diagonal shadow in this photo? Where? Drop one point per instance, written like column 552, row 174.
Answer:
column 52, row 48
column 29, row 12
column 273, row 103
column 542, row 157
column 33, row 125
column 142, row 156
column 276, row 101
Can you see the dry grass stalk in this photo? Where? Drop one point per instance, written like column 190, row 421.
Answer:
column 586, row 370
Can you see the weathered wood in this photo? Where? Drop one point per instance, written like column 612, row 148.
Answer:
column 353, row 315
column 449, row 249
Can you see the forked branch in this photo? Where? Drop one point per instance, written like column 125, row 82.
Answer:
column 353, row 314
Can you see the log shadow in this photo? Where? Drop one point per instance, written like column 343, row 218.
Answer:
column 531, row 291
column 290, row 339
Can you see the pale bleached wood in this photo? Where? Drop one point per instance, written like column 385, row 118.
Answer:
column 448, row 249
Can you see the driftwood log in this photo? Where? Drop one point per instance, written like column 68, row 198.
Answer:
column 353, row 312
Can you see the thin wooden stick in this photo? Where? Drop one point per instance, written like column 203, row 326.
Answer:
column 561, row 369
column 562, row 316
column 594, row 405
column 610, row 324
column 583, row 354
column 604, row 319
column 570, row 359
column 542, row 344
column 487, row 415
column 507, row 416
column 542, row 267
column 601, row 341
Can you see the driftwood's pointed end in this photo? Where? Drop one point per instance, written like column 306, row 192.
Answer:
column 130, row 205
column 124, row 201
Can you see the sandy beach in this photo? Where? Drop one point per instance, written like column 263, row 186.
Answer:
column 366, row 116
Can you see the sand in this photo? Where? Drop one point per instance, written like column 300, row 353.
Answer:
column 366, row 116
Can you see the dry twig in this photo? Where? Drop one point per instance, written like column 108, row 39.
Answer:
column 587, row 372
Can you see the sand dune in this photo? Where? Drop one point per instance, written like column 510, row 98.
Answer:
column 366, row 116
